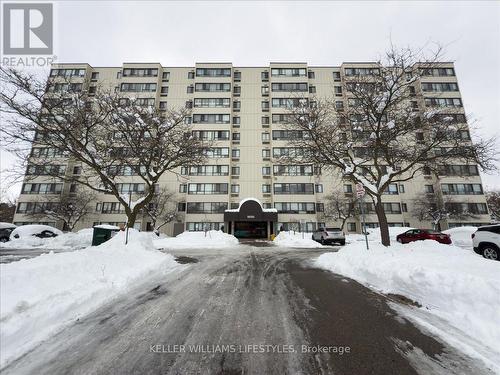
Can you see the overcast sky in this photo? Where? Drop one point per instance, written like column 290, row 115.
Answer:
column 180, row 33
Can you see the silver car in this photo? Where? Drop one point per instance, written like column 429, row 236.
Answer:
column 329, row 236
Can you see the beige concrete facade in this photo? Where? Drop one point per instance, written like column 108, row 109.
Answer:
column 249, row 107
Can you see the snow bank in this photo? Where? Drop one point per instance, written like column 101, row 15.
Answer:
column 4, row 225
column 374, row 235
column 42, row 295
column 454, row 284
column 294, row 239
column 78, row 240
column 461, row 236
column 212, row 239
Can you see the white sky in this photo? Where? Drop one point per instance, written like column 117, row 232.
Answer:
column 180, row 33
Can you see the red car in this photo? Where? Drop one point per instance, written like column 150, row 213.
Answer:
column 423, row 234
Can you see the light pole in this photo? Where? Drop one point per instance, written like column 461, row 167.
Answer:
column 360, row 193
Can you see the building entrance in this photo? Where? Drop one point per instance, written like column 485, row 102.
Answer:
column 250, row 229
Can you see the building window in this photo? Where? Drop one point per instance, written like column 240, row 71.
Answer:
column 310, row 74
column 347, row 188
column 266, row 188
column 336, row 76
column 289, row 87
column 212, row 102
column 351, row 227
column 212, row 87
column 134, row 72
column 138, row 87
column 266, row 137
column 77, row 170
column 236, row 137
column 190, row 89
column 236, row 120
column 235, row 189
column 213, row 72
column 288, row 72
column 429, row 189
column 183, row 188
column 165, row 76
column 404, row 207
column 401, row 188
column 295, row 207
column 265, row 120
column 319, row 188
column 95, row 76
column 207, row 189
column 211, row 119
column 212, row 135
column 266, row 171
column 235, row 171
column 181, row 206
column 294, row 188
column 266, row 153
column 235, row 153
column 320, row 207
column 264, row 76
column 461, row 189
column 191, row 75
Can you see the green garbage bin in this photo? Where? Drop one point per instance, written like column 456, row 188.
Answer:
column 102, row 233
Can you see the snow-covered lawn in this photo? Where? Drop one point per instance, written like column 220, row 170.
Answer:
column 79, row 240
column 374, row 234
column 187, row 240
column 454, row 284
column 40, row 296
column 461, row 236
column 295, row 239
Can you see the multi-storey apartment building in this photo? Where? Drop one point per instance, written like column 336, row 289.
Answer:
column 242, row 109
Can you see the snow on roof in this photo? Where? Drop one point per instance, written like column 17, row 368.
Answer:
column 107, row 226
column 4, row 225
column 251, row 199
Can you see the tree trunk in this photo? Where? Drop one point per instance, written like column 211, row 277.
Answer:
column 382, row 222
column 131, row 217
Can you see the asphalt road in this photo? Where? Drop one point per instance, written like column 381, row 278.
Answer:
column 248, row 310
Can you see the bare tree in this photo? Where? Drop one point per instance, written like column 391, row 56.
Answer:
column 7, row 206
column 383, row 137
column 493, row 199
column 162, row 209
column 68, row 209
column 436, row 208
column 338, row 207
column 108, row 136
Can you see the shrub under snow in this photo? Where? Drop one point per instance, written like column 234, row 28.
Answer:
column 202, row 240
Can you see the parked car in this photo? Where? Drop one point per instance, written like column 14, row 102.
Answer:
column 34, row 230
column 329, row 236
column 486, row 241
column 5, row 231
column 423, row 234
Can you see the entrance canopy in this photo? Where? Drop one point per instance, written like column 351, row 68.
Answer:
column 250, row 209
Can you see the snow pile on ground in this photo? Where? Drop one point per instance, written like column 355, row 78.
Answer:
column 461, row 236
column 42, row 295
column 454, row 284
column 4, row 225
column 374, row 234
column 70, row 240
column 294, row 239
column 207, row 240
